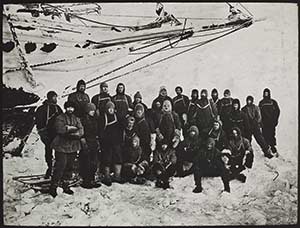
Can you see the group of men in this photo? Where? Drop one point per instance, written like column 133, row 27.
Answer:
column 126, row 141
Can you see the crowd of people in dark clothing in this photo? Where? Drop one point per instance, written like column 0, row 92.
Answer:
column 125, row 141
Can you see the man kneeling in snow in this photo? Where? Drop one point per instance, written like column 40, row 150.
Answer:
column 208, row 162
column 134, row 165
column 239, row 156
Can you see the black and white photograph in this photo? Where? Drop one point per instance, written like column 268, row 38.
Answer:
column 150, row 113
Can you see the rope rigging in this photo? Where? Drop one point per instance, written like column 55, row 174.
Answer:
column 245, row 24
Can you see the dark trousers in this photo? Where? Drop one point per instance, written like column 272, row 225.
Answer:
column 216, row 168
column 269, row 132
column 255, row 131
column 63, row 167
column 88, row 161
column 48, row 151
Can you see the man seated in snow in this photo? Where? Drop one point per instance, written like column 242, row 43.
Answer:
column 163, row 16
column 239, row 156
column 66, row 144
column 217, row 133
column 134, row 166
column 45, row 118
column 186, row 152
column 164, row 165
column 208, row 162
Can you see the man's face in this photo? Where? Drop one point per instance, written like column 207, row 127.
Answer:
column 120, row 88
column 203, row 95
column 210, row 146
column 138, row 100
column 214, row 95
column 163, row 92
column 216, row 126
column 81, row 88
column 178, row 91
column 192, row 134
column 194, row 96
column 111, row 110
column 266, row 94
column 130, row 124
column 235, row 106
column 167, row 107
column 91, row 113
column 235, row 134
column 249, row 102
column 135, row 143
column 139, row 113
column 70, row 110
column 105, row 89
column 158, row 105
column 54, row 99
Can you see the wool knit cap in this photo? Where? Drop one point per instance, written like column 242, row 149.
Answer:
column 109, row 104
column 90, row 107
column 68, row 104
column 138, row 95
column 51, row 94
column 103, row 84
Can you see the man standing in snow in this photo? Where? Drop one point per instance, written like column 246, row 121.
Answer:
column 123, row 103
column 253, row 113
column 79, row 98
column 192, row 110
column 208, row 162
column 101, row 99
column 88, row 155
column 45, row 118
column 270, row 114
column 207, row 111
column 225, row 107
column 66, row 144
column 215, row 98
column 163, row 95
column 181, row 104
column 237, row 118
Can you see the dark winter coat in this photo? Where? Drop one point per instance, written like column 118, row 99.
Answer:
column 148, row 116
column 110, row 130
column 80, row 99
column 181, row 104
column 219, row 136
column 161, row 100
column 123, row 102
column 238, row 150
column 90, row 126
column 253, row 113
column 225, row 107
column 192, row 112
column 206, row 113
column 100, row 101
column 64, row 141
column 45, row 116
column 190, row 146
column 217, row 103
column 270, row 112
column 167, row 125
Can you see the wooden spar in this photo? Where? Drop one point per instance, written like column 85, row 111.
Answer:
column 29, row 73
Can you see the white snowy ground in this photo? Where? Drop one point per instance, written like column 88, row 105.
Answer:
column 263, row 55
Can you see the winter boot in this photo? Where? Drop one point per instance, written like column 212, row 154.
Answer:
column 66, row 189
column 198, row 189
column 52, row 191
column 87, row 185
column 96, row 184
column 119, row 180
column 107, row 181
column 159, row 183
column 48, row 173
column 274, row 151
column 268, row 153
column 241, row 177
